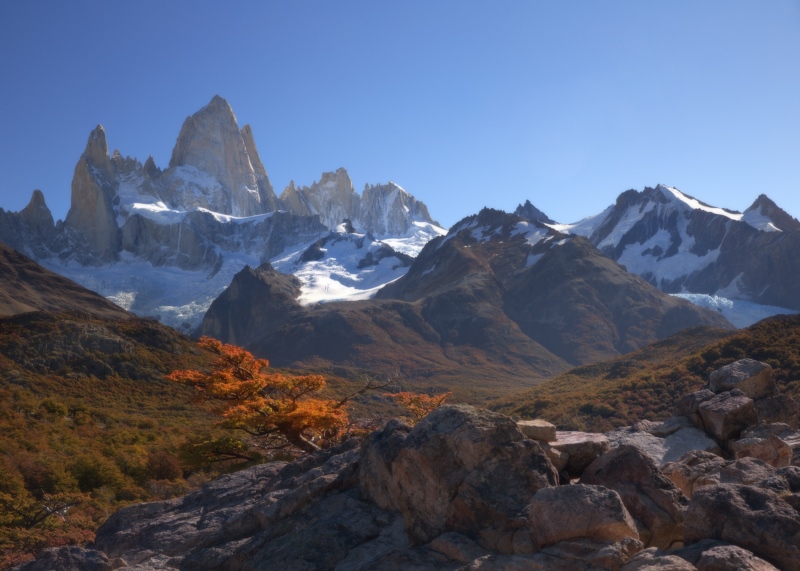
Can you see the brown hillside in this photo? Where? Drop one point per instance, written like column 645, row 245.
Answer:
column 645, row 384
column 26, row 286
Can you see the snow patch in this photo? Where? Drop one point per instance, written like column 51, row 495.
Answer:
column 694, row 204
column 337, row 277
column 759, row 221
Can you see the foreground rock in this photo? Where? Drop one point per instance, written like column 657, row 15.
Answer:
column 460, row 469
column 753, row 518
column 754, row 378
column 71, row 559
column 594, row 512
column 656, row 503
column 582, row 449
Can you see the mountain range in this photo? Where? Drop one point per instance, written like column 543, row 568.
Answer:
column 710, row 255
column 497, row 303
column 207, row 246
column 165, row 243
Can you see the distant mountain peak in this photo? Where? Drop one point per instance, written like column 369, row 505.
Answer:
column 211, row 142
column 529, row 212
column 768, row 216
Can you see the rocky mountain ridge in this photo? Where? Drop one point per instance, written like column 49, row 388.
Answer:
column 684, row 246
column 467, row 489
column 495, row 303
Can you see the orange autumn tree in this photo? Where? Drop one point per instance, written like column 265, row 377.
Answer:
column 420, row 405
column 278, row 408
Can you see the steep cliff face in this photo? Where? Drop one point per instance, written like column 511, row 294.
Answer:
column 387, row 209
column 31, row 230
column 333, row 199
column 210, row 143
column 91, row 219
column 382, row 210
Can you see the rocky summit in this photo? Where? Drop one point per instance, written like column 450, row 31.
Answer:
column 467, row 489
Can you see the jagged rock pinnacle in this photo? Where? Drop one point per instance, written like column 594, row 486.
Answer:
column 211, row 142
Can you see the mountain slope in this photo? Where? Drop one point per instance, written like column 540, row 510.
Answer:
column 645, row 384
column 498, row 302
column 25, row 286
column 682, row 245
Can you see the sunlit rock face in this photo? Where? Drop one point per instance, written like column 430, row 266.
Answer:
column 211, row 146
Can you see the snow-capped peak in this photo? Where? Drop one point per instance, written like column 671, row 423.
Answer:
column 677, row 197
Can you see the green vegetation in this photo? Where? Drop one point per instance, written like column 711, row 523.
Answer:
column 647, row 383
column 88, row 425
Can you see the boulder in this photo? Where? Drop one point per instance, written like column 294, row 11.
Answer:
column 727, row 414
column 750, row 517
column 699, row 469
column 460, row 469
column 689, row 405
column 557, row 457
column 302, row 515
column 582, row 447
column 538, row 429
column 732, row 558
column 754, row 378
column 657, row 505
column 685, row 440
column 570, row 512
column 457, row 547
column 779, row 408
column 653, row 559
column 771, row 450
column 68, row 559
column 715, row 555
column 651, row 445
column 569, row 555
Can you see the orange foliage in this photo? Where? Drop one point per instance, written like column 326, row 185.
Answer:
column 277, row 407
column 420, row 405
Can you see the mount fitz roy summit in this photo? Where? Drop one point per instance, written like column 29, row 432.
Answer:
column 165, row 243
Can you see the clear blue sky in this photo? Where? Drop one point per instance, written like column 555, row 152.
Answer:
column 465, row 104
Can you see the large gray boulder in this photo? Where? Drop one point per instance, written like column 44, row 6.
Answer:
column 727, row 414
column 685, row 440
column 716, row 555
column 754, row 378
column 71, row 558
column 460, row 469
column 699, row 469
column 653, row 559
column 750, row 517
column 778, row 408
column 579, row 511
column 582, row 449
column 654, row 501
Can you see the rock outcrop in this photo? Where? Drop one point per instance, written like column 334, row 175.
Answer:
column 458, row 470
column 381, row 210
